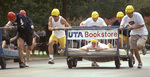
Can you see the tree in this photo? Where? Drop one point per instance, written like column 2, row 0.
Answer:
column 64, row 9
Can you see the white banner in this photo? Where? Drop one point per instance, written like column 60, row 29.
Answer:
column 92, row 34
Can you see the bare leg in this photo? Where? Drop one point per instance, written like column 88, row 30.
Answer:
column 27, row 54
column 33, row 43
column 3, row 44
column 50, row 48
column 139, row 46
column 137, row 55
column 51, row 52
column 25, row 48
column 20, row 42
column 30, row 48
column 132, row 51
column 121, row 42
column 33, row 51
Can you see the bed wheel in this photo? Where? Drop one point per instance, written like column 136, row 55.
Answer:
column 131, row 61
column 117, row 62
column 74, row 62
column 3, row 63
column 69, row 62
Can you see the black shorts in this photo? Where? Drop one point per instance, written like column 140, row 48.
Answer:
column 28, row 38
column 4, row 38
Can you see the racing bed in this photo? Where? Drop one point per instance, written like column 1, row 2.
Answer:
column 6, row 54
column 113, row 54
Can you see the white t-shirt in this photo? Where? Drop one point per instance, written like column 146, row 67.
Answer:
column 136, row 20
column 90, row 22
column 100, row 45
column 58, row 33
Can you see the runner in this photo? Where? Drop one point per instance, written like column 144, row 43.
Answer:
column 56, row 21
column 24, row 32
column 29, row 22
column 138, row 36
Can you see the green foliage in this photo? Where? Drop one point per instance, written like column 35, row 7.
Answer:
column 77, row 11
column 141, row 6
column 75, row 21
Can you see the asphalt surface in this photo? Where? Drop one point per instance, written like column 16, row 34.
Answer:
column 41, row 68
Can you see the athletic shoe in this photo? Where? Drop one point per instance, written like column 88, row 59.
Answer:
column 94, row 64
column 22, row 65
column 61, row 52
column 51, row 61
column 139, row 65
column 144, row 51
column 27, row 65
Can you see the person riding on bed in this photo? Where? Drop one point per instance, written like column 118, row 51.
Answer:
column 96, row 46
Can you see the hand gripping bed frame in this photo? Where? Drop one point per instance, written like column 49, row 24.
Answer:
column 105, row 35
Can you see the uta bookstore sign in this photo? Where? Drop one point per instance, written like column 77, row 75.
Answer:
column 93, row 34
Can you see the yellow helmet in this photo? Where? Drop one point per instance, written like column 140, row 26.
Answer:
column 129, row 9
column 55, row 12
column 120, row 14
column 94, row 41
column 94, row 14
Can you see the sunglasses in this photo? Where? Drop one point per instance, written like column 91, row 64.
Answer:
column 54, row 16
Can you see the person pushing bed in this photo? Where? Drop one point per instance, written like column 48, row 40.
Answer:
column 94, row 20
column 97, row 46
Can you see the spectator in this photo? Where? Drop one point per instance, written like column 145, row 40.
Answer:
column 42, row 35
column 6, row 40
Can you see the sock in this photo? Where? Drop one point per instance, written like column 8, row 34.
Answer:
column 51, row 56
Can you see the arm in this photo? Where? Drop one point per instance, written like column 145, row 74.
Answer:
column 103, row 23
column 81, row 25
column 50, row 24
column 9, row 25
column 31, row 23
column 67, row 25
column 84, row 23
column 102, row 46
column 121, row 27
column 140, row 21
column 84, row 49
column 122, row 23
column 136, row 27
column 99, row 49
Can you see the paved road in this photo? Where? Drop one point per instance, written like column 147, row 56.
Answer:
column 83, row 69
